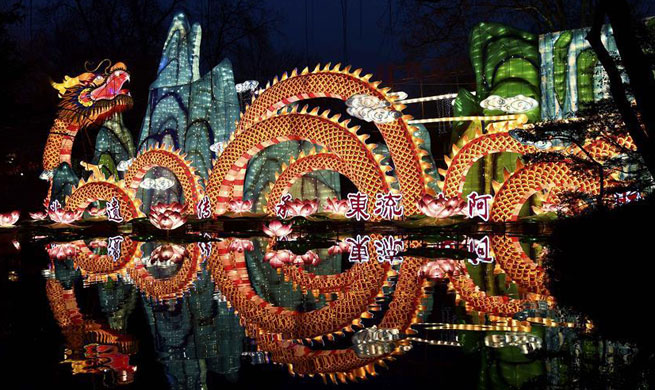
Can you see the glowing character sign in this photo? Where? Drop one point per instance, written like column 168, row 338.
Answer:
column 358, row 249
column 114, row 210
column 388, row 249
column 203, row 208
column 627, row 197
column 357, row 206
column 281, row 209
column 481, row 249
column 478, row 206
column 55, row 206
column 114, row 247
column 205, row 247
column 387, row 205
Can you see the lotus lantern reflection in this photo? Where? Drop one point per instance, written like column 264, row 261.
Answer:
column 441, row 207
column 309, row 258
column 97, row 244
column 277, row 259
column 167, row 216
column 239, row 206
column 240, row 245
column 62, row 251
column 339, row 248
column 168, row 254
column 336, row 206
column 440, row 269
column 9, row 219
column 277, row 229
column 38, row 215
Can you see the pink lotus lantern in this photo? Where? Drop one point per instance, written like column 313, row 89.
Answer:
column 9, row 219
column 239, row 206
column 65, row 216
column 301, row 208
column 277, row 259
column 96, row 212
column 440, row 207
column 277, row 229
column 167, row 216
column 38, row 215
column 240, row 245
column 62, row 251
column 336, row 206
column 168, row 254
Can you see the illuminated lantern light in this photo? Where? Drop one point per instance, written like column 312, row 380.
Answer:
column 371, row 109
column 167, row 216
column 9, row 219
column 512, row 105
column 277, row 229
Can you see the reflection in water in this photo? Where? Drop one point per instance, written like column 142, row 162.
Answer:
column 215, row 305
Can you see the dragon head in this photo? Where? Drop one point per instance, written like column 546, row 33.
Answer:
column 95, row 95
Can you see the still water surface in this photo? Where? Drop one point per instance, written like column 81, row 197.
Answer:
column 371, row 309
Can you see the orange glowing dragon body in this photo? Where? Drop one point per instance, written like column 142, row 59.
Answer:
column 261, row 127
column 276, row 329
column 91, row 347
column 87, row 99
column 343, row 150
column 519, row 186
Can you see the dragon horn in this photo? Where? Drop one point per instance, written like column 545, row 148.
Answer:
column 64, row 85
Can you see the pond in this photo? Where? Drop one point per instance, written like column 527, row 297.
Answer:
column 368, row 306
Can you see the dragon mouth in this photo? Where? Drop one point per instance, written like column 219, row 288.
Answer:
column 113, row 86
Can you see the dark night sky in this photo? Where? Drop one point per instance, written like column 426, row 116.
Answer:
column 315, row 27
column 370, row 40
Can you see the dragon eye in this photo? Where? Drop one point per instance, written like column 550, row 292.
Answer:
column 98, row 80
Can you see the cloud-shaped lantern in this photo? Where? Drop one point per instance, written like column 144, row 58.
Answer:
column 248, row 85
column 371, row 109
column 512, row 105
column 160, row 183
column 218, row 147
column 124, row 165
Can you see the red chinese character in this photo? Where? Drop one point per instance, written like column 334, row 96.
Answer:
column 113, row 210
column 358, row 249
column 388, row 205
column 478, row 205
column 205, row 246
column 388, row 249
column 203, row 209
column 627, row 197
column 114, row 247
column 480, row 248
column 357, row 206
column 55, row 206
column 281, row 209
